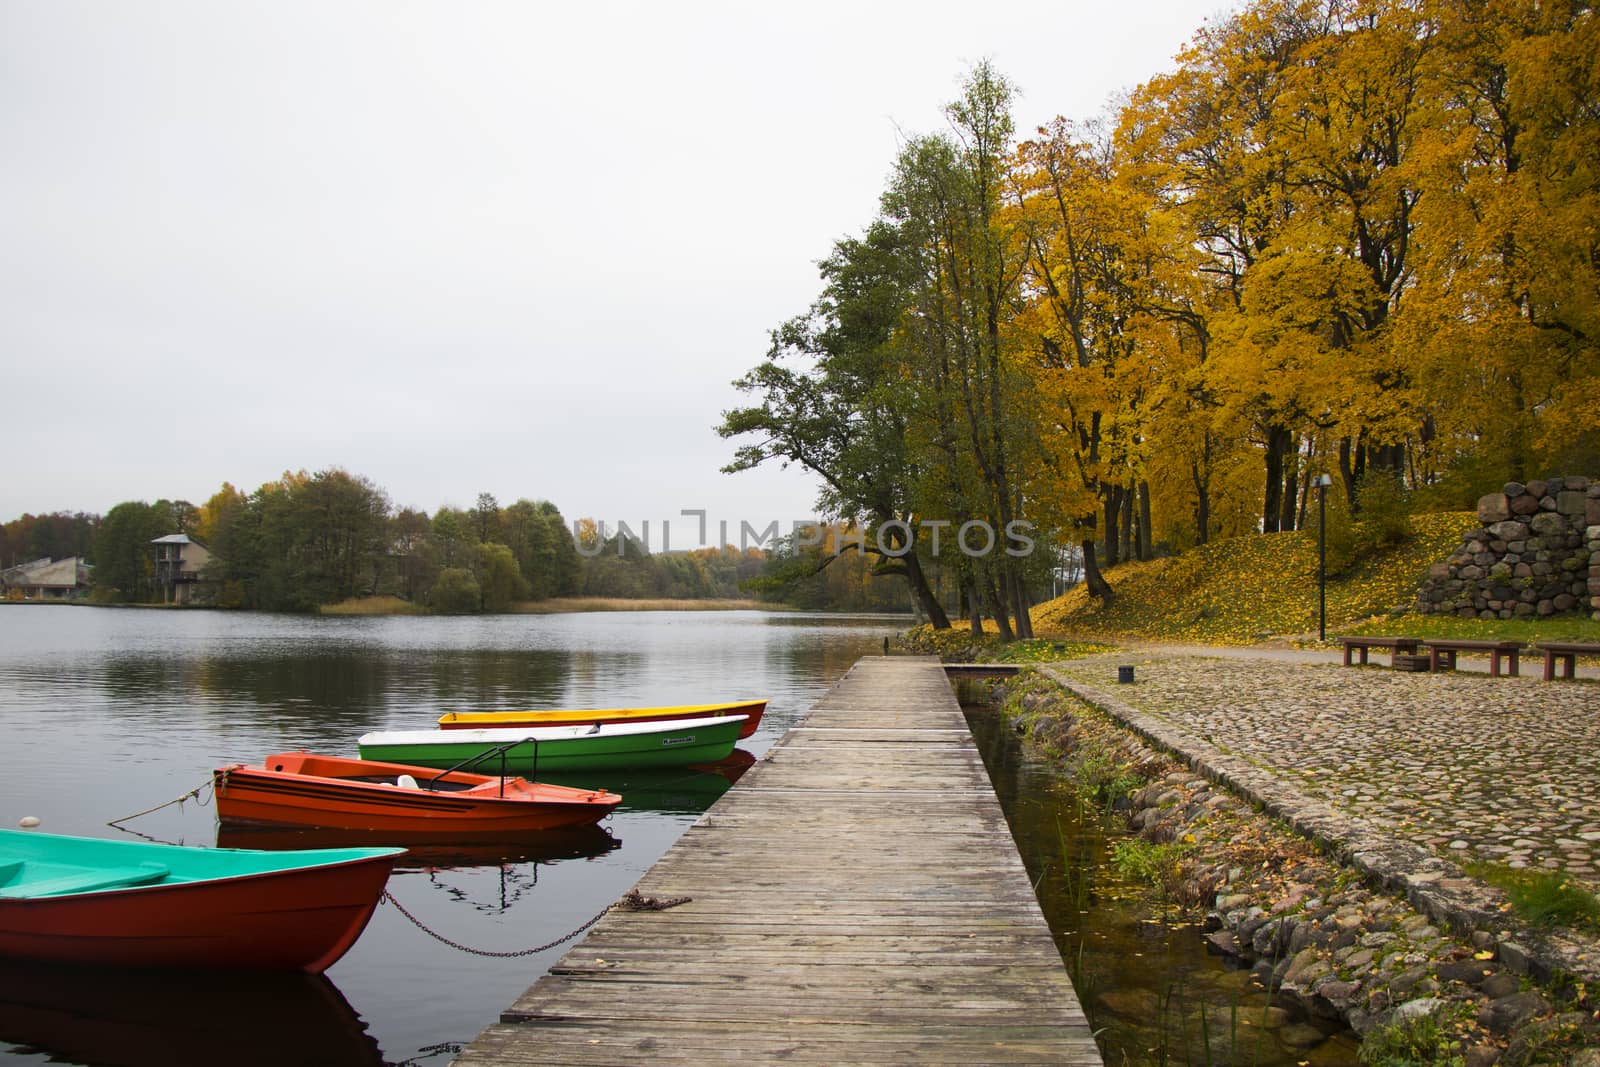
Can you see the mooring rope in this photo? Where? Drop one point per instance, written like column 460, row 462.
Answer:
column 193, row 794
column 630, row 901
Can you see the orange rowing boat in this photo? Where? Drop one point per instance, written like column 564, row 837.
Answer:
column 415, row 803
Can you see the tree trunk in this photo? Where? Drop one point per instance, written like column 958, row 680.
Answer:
column 1020, row 604
column 1291, row 484
column 1390, row 458
column 1098, row 586
column 1272, row 507
column 1146, row 549
column 974, row 604
column 1516, row 453
column 1127, row 552
column 1113, row 541
column 1352, row 466
column 1202, row 506
column 1002, row 617
column 923, row 593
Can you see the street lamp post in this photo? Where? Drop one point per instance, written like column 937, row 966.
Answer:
column 1322, row 481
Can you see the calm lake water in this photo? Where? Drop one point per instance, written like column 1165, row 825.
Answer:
column 1152, row 992
column 107, row 712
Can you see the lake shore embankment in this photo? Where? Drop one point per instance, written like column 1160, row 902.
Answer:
column 1322, row 821
column 556, row 606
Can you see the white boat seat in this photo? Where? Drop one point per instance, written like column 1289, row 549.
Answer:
column 405, row 781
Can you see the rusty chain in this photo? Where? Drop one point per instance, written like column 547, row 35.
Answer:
column 630, row 901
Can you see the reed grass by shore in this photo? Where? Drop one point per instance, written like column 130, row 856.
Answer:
column 373, row 605
column 599, row 603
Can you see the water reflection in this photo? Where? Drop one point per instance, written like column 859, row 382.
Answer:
column 511, row 884
column 109, row 711
column 676, row 791
column 343, row 684
column 1145, row 979
column 125, row 1018
column 548, row 846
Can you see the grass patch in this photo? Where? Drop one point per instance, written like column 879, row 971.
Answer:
column 1418, row 1042
column 1045, row 650
column 1246, row 589
column 1102, row 778
column 1565, row 628
column 1250, row 590
column 1159, row 866
column 373, row 605
column 556, row 605
column 1542, row 898
column 958, row 645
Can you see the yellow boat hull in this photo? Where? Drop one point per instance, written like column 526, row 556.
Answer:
column 477, row 720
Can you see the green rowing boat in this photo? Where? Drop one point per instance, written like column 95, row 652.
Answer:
column 560, row 749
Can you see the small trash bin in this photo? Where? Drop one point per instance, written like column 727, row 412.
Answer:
column 1124, row 675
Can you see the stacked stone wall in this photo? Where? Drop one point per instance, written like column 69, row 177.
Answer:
column 1537, row 553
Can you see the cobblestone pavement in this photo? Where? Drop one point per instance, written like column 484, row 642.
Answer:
column 1462, row 764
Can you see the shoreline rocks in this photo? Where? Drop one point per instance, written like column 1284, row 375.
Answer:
column 1321, row 935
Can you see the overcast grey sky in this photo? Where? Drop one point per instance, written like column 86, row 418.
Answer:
column 505, row 247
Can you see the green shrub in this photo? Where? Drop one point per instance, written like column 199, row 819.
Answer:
column 1344, row 547
column 1418, row 1042
column 1101, row 778
column 1385, row 509
column 1158, row 866
column 455, row 592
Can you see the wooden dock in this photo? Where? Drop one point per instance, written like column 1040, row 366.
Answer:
column 981, row 670
column 856, row 899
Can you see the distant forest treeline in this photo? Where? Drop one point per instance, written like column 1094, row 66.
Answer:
column 308, row 540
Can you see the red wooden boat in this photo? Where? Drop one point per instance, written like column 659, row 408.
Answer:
column 413, row 804
column 752, row 710
column 138, row 904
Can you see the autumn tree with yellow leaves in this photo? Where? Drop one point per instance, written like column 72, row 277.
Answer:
column 1358, row 237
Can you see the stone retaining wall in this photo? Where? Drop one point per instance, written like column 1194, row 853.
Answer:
column 1538, row 553
column 1414, row 938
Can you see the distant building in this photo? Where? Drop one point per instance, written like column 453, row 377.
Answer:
column 179, row 563
column 44, row 579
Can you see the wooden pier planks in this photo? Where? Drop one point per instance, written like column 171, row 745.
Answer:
column 857, row 899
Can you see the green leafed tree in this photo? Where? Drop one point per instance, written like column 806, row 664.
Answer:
column 500, row 580
column 456, row 592
column 305, row 540
column 124, row 558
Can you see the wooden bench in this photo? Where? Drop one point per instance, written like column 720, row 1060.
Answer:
column 1399, row 645
column 1567, row 652
column 1442, row 654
